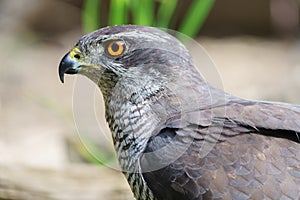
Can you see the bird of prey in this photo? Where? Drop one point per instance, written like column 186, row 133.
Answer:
column 178, row 137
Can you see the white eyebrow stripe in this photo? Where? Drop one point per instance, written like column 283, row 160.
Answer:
column 137, row 34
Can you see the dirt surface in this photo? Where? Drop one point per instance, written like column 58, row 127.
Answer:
column 73, row 182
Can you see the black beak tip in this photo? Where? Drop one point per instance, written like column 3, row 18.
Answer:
column 61, row 71
column 61, row 77
column 66, row 67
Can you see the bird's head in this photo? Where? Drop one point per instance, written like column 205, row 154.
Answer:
column 133, row 52
column 146, row 76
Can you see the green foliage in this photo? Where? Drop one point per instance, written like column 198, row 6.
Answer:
column 118, row 12
column 158, row 13
column 91, row 152
column 142, row 12
column 195, row 17
column 90, row 16
column 165, row 12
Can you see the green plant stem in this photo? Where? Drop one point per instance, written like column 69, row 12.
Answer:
column 90, row 15
column 195, row 17
column 118, row 12
column 142, row 11
column 165, row 12
column 89, row 150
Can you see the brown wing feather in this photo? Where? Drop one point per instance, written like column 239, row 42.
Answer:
column 232, row 158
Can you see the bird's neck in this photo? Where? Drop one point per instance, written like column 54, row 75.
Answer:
column 106, row 83
column 131, row 125
column 134, row 110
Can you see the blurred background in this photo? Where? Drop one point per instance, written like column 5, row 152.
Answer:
column 254, row 44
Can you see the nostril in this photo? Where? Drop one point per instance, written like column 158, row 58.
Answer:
column 77, row 56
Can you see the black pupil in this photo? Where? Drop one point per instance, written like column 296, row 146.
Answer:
column 115, row 47
column 77, row 56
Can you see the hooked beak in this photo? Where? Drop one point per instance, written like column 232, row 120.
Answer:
column 68, row 65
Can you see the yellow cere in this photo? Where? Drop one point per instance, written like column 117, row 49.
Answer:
column 74, row 52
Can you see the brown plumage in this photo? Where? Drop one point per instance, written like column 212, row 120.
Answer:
column 178, row 137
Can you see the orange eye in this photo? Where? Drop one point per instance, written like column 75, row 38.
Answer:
column 116, row 48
